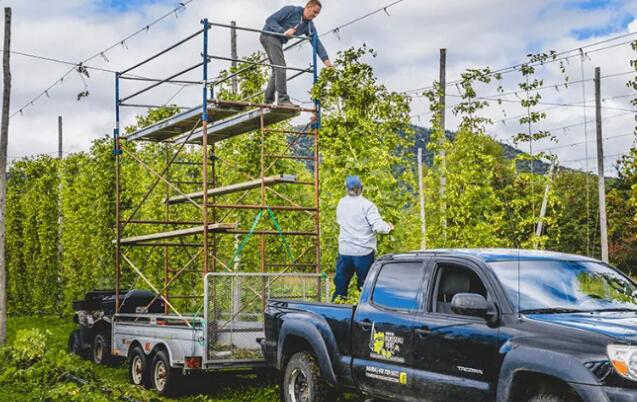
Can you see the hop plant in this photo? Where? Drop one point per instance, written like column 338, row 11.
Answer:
column 29, row 346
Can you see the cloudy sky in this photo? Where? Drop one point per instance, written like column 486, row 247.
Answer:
column 407, row 38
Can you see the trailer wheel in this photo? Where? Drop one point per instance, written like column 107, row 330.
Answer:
column 74, row 344
column 302, row 381
column 137, row 367
column 164, row 378
column 101, row 349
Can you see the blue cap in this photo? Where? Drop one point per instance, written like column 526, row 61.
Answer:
column 352, row 182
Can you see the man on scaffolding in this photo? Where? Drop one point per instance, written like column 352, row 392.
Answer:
column 289, row 21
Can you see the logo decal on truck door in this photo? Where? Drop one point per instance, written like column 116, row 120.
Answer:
column 383, row 374
column 385, row 346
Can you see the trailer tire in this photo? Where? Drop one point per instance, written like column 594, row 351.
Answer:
column 164, row 378
column 302, row 381
column 74, row 344
column 101, row 349
column 138, row 367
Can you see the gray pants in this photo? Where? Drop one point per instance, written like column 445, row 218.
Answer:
column 278, row 81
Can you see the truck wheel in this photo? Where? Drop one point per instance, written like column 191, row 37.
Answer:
column 302, row 381
column 164, row 378
column 101, row 349
column 74, row 344
column 137, row 367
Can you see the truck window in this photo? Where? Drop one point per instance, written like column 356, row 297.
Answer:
column 454, row 279
column 398, row 285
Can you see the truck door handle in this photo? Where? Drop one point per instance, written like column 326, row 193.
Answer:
column 423, row 332
column 366, row 325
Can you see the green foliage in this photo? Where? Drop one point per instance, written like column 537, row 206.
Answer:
column 487, row 202
column 32, row 236
column 365, row 131
column 621, row 200
column 46, row 377
column 28, row 347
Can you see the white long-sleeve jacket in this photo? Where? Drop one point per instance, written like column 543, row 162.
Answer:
column 359, row 221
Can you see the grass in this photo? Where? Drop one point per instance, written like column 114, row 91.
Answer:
column 110, row 383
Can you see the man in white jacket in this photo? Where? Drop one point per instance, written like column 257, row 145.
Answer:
column 359, row 221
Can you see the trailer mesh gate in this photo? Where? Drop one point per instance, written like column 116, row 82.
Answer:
column 235, row 303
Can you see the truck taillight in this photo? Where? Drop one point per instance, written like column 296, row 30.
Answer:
column 193, row 362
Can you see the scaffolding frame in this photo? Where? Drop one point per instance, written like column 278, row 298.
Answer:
column 213, row 121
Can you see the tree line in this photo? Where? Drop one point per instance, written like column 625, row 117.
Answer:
column 490, row 200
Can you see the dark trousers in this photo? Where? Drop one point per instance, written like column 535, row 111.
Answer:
column 278, row 81
column 346, row 266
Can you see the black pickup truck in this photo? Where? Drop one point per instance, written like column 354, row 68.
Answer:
column 465, row 325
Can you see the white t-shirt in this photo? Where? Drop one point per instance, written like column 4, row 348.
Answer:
column 359, row 221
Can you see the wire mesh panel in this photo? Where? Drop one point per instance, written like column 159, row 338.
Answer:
column 235, row 303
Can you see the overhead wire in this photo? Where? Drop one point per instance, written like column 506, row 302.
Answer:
column 102, row 54
column 515, row 67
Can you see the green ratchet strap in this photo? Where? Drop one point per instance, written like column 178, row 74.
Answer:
column 283, row 239
column 247, row 237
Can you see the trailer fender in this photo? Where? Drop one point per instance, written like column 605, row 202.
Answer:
column 318, row 335
column 150, row 346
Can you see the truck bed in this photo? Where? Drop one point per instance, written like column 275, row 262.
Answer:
column 337, row 316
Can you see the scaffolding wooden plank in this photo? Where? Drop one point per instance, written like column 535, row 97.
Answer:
column 242, row 123
column 233, row 188
column 212, row 228
column 183, row 122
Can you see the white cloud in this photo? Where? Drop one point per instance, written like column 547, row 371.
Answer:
column 492, row 33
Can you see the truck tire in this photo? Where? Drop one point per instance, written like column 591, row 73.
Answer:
column 302, row 381
column 101, row 350
column 74, row 344
column 138, row 367
column 164, row 378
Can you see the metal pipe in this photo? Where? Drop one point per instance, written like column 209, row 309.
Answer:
column 166, row 222
column 256, row 63
column 272, row 207
column 267, row 274
column 262, row 60
column 204, row 122
column 216, row 24
column 157, row 80
column 167, row 280
column 291, row 157
column 118, row 227
column 162, row 81
column 317, row 125
column 274, row 130
column 149, row 106
column 262, row 106
column 181, row 42
column 263, row 199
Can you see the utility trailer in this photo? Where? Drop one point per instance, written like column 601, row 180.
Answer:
column 226, row 334
column 94, row 316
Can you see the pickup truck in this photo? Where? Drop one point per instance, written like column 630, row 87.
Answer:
column 465, row 325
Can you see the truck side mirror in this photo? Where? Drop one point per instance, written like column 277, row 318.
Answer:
column 471, row 304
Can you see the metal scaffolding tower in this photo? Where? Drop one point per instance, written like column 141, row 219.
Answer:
column 202, row 127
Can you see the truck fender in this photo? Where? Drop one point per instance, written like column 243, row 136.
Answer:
column 318, row 334
column 551, row 363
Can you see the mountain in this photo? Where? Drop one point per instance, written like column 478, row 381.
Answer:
column 303, row 147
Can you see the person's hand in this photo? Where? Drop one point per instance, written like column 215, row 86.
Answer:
column 391, row 226
column 328, row 63
column 290, row 32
